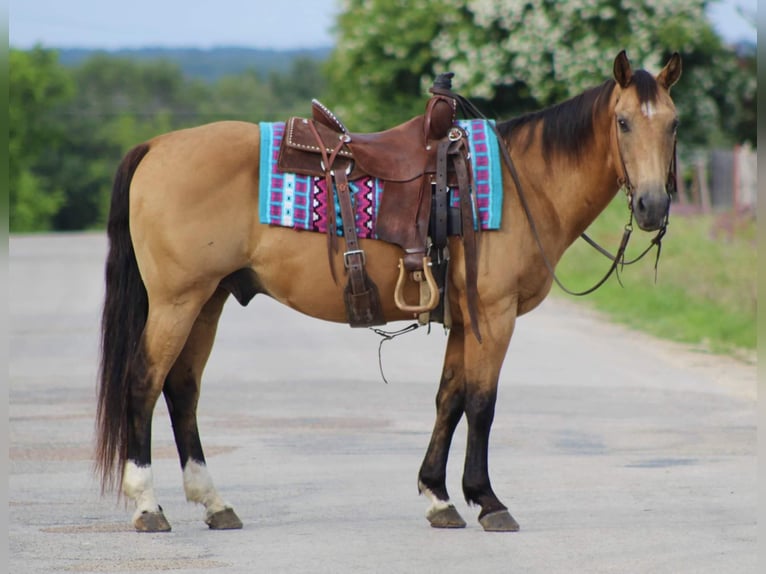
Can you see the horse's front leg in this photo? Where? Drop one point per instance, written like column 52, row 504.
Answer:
column 482, row 371
column 450, row 402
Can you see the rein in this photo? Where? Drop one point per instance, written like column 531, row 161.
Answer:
column 618, row 260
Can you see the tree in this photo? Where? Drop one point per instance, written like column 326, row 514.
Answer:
column 119, row 103
column 239, row 97
column 38, row 86
column 514, row 56
column 296, row 87
column 383, row 57
column 70, row 126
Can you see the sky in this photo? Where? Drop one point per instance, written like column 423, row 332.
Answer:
column 277, row 24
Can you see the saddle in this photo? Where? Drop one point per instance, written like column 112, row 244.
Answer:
column 418, row 162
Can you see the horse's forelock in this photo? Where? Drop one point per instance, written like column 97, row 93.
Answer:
column 646, row 86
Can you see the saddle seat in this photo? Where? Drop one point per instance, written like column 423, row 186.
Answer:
column 398, row 154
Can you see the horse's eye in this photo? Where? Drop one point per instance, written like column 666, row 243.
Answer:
column 674, row 126
column 624, row 125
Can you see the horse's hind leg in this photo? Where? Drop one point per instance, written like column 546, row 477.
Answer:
column 450, row 401
column 181, row 390
column 168, row 325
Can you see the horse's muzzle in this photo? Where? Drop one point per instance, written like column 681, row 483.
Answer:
column 651, row 209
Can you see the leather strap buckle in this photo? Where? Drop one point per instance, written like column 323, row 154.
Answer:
column 354, row 252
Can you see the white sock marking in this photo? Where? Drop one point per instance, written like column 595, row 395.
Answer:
column 437, row 504
column 138, row 485
column 198, row 486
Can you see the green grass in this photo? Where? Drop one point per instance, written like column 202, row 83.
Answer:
column 706, row 289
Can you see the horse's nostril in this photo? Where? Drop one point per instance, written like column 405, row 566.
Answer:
column 641, row 205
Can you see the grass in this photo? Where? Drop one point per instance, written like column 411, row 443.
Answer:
column 706, row 288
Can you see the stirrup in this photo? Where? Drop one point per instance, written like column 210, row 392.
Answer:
column 432, row 287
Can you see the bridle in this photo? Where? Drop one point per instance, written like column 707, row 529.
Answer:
column 624, row 182
column 618, row 260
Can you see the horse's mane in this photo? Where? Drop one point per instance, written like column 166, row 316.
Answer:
column 568, row 126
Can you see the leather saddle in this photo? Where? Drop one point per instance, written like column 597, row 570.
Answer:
column 417, row 161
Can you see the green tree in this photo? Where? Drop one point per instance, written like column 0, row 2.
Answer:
column 38, row 86
column 383, row 58
column 71, row 126
column 514, row 56
column 295, row 88
column 119, row 103
column 246, row 96
column 239, row 97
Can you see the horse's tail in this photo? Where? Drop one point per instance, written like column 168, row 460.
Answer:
column 122, row 325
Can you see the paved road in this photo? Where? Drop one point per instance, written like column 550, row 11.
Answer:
column 615, row 452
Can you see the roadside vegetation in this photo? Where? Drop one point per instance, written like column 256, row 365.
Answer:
column 705, row 293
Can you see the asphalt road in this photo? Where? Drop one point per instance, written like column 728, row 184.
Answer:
column 615, row 452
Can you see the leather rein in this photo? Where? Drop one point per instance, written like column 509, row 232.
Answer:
column 618, row 260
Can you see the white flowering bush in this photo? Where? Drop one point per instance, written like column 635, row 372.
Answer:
column 517, row 55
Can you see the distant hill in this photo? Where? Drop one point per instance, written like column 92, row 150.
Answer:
column 206, row 64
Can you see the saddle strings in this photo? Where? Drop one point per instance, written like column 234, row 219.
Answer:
column 388, row 336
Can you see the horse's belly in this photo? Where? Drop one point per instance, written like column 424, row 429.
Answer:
column 293, row 267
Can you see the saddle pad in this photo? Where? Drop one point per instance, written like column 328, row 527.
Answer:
column 299, row 202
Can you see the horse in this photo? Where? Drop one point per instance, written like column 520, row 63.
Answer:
column 184, row 234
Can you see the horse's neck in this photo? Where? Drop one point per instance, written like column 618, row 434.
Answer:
column 586, row 186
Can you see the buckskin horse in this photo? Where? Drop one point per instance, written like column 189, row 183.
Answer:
column 184, row 234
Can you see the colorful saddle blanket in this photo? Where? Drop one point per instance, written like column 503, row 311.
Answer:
column 300, row 202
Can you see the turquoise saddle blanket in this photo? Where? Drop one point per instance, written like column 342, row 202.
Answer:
column 300, row 202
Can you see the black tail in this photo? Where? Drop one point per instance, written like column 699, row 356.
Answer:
column 122, row 326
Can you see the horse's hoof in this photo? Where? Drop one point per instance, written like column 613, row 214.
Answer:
column 225, row 519
column 151, row 522
column 446, row 517
column 499, row 521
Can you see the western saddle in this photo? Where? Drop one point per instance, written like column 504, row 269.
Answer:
column 418, row 162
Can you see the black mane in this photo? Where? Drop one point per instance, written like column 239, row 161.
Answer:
column 568, row 126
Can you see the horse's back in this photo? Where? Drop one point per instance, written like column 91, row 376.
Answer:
column 187, row 164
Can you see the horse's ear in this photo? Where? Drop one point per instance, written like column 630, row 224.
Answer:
column 623, row 72
column 671, row 72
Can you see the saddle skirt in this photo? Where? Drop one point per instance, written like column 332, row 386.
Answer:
column 300, row 201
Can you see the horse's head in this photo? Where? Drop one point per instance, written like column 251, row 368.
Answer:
column 645, row 123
